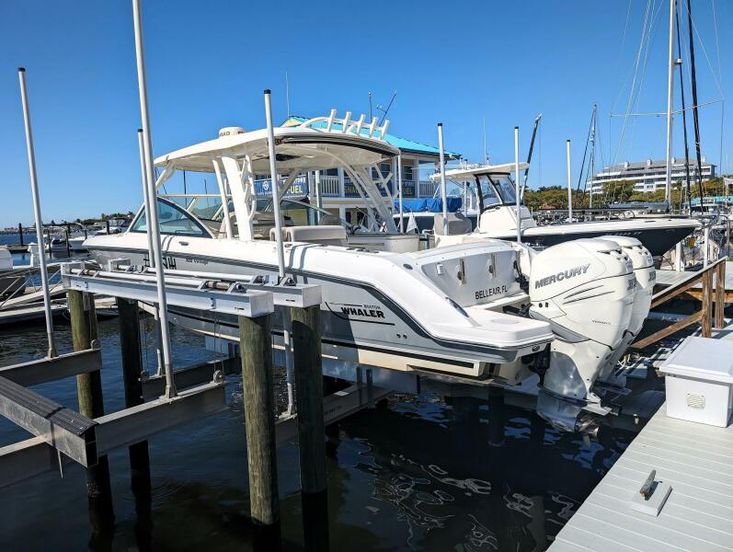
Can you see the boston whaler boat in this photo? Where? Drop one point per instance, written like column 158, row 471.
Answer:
column 497, row 218
column 485, row 310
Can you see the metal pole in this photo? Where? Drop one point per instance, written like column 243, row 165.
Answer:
column 275, row 187
column 399, row 192
column 442, row 179
column 146, row 197
column 516, row 185
column 317, row 184
column 570, row 184
column 151, row 250
column 37, row 212
column 153, row 228
column 706, row 251
column 678, row 257
column 670, row 83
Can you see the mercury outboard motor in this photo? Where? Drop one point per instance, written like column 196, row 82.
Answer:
column 585, row 290
column 643, row 263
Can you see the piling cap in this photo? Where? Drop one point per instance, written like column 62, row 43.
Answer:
column 21, row 69
column 267, row 91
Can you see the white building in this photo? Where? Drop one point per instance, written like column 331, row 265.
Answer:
column 650, row 175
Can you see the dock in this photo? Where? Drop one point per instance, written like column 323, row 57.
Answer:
column 698, row 515
column 674, row 278
column 694, row 459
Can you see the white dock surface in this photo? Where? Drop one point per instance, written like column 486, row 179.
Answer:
column 695, row 459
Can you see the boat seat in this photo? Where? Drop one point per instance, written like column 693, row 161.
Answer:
column 322, row 234
column 456, row 222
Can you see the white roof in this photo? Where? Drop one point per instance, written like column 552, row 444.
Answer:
column 469, row 173
column 298, row 148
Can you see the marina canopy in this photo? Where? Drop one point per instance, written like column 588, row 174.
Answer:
column 470, row 172
column 298, row 149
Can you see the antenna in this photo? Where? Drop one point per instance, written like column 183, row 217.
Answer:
column 287, row 93
column 370, row 107
column 486, row 153
column 385, row 110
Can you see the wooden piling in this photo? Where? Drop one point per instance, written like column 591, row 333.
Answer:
column 91, row 404
column 20, row 233
column 259, row 418
column 707, row 304
column 311, row 430
column 720, row 296
column 138, row 452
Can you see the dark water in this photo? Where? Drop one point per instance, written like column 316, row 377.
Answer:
column 416, row 473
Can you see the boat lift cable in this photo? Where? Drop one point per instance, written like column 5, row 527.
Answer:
column 684, row 117
column 695, row 118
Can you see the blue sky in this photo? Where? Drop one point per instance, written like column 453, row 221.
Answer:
column 208, row 62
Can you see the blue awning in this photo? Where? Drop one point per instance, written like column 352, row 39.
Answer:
column 428, row 205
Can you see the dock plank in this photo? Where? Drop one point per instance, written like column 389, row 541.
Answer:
column 695, row 459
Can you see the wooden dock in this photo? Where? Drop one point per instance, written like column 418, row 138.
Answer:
column 671, row 278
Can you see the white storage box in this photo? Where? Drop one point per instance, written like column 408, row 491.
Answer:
column 699, row 381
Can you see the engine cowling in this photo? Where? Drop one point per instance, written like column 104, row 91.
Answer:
column 585, row 290
column 645, row 275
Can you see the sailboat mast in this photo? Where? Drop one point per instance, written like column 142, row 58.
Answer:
column 670, row 84
column 695, row 118
column 592, row 172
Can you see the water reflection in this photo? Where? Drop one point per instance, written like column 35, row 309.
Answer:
column 416, row 473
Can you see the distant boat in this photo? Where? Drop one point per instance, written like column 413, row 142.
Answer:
column 10, row 282
column 76, row 245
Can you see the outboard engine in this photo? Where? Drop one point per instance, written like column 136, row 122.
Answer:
column 643, row 264
column 585, row 290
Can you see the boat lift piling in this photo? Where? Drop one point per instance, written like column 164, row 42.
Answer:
column 132, row 373
column 311, row 427
column 88, row 435
column 91, row 404
column 259, row 420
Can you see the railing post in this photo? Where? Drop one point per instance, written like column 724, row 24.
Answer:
column 311, row 429
column 707, row 299
column 91, row 405
column 720, row 296
column 259, row 418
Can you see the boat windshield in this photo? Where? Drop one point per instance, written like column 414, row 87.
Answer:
column 496, row 189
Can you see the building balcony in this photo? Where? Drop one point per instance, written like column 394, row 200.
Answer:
column 336, row 187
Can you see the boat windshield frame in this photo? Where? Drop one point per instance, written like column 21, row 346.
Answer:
column 500, row 190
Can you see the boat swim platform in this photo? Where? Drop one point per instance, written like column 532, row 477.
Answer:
column 694, row 459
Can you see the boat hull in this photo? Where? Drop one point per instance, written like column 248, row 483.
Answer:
column 657, row 239
column 359, row 322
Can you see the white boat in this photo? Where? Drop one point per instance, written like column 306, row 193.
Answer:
column 497, row 218
column 10, row 284
column 76, row 244
column 487, row 310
